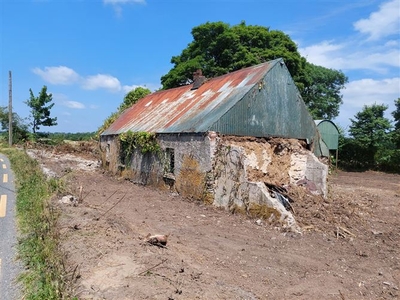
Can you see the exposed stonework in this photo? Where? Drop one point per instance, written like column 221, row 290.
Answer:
column 242, row 166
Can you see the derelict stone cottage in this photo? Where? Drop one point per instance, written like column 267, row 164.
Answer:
column 236, row 141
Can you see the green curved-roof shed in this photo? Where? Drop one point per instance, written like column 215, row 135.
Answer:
column 329, row 133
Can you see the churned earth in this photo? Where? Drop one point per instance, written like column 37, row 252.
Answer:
column 349, row 248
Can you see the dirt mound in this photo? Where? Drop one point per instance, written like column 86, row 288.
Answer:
column 85, row 149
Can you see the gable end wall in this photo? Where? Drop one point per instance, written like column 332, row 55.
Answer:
column 272, row 108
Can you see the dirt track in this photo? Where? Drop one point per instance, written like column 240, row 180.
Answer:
column 349, row 248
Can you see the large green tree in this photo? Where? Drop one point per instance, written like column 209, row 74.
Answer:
column 321, row 92
column 370, row 130
column 133, row 96
column 218, row 48
column 40, row 109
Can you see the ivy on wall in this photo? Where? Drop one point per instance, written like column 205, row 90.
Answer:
column 146, row 142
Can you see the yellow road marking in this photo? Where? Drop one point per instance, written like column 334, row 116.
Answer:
column 3, row 205
column 4, row 166
column 5, row 178
column 1, row 159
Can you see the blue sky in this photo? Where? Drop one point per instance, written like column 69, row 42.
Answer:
column 90, row 53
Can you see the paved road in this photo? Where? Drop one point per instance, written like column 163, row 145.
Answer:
column 9, row 268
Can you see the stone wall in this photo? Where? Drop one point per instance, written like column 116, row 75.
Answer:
column 182, row 163
column 191, row 159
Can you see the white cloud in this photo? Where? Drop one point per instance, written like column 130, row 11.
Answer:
column 392, row 43
column 64, row 101
column 117, row 4
column 369, row 91
column 321, row 54
column 382, row 23
column 104, row 81
column 74, row 104
column 57, row 75
column 353, row 54
column 377, row 59
column 347, row 56
column 63, row 75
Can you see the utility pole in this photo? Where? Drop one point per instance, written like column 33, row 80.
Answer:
column 10, row 110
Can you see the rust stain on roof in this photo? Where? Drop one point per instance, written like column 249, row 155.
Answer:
column 184, row 110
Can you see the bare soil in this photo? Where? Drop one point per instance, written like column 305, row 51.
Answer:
column 349, row 248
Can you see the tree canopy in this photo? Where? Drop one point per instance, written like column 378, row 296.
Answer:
column 396, row 114
column 40, row 109
column 19, row 128
column 133, row 96
column 321, row 91
column 370, row 126
column 218, row 48
column 373, row 143
column 370, row 129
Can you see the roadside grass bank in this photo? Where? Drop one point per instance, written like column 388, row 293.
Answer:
column 44, row 276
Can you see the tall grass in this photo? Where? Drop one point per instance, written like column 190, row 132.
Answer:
column 44, row 275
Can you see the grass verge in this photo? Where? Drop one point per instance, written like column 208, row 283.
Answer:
column 44, row 275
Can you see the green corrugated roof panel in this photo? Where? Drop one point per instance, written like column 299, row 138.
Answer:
column 271, row 108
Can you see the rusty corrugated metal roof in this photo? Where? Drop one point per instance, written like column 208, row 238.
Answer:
column 184, row 110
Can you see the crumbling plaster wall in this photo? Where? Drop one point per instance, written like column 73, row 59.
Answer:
column 242, row 165
column 196, row 146
column 192, row 162
column 308, row 171
column 110, row 152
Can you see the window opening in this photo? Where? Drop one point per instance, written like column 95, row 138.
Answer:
column 170, row 158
